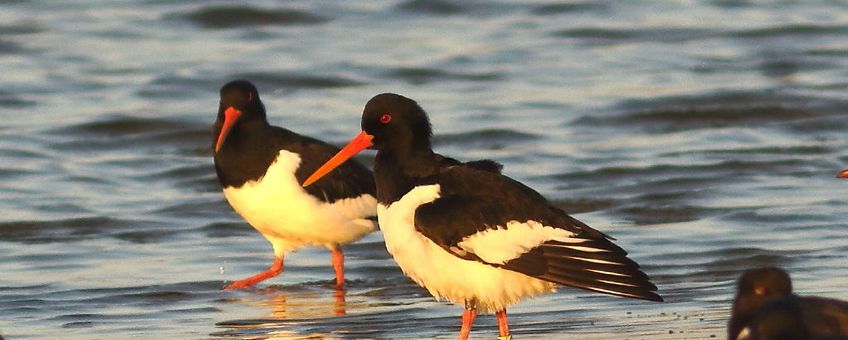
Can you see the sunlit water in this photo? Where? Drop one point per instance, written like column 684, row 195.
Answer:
column 703, row 135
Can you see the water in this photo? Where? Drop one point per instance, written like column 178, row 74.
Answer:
column 703, row 135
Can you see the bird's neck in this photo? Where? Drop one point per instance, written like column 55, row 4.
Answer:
column 250, row 148
column 396, row 173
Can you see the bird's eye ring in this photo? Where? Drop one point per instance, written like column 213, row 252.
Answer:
column 386, row 118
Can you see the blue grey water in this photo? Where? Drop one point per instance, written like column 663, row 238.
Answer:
column 704, row 135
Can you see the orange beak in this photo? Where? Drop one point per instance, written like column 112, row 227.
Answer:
column 361, row 142
column 230, row 117
column 843, row 173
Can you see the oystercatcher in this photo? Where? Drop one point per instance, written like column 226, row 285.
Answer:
column 843, row 173
column 471, row 235
column 261, row 168
column 765, row 308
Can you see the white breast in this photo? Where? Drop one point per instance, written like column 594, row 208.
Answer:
column 443, row 274
column 290, row 218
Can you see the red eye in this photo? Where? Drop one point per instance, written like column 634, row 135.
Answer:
column 386, row 118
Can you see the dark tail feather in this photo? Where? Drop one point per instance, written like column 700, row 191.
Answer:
column 596, row 265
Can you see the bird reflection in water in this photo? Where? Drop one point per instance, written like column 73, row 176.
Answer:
column 287, row 303
column 287, row 310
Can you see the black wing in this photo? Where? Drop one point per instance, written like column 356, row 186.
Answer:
column 482, row 164
column 474, row 200
column 351, row 179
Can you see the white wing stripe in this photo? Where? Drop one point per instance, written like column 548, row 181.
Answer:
column 500, row 245
column 618, row 283
column 608, row 273
column 595, row 260
column 587, row 249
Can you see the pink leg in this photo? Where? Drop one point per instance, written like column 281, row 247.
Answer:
column 468, row 316
column 276, row 269
column 503, row 326
column 338, row 266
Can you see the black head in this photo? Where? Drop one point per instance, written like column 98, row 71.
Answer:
column 397, row 123
column 391, row 123
column 240, row 104
column 764, row 283
column 240, row 94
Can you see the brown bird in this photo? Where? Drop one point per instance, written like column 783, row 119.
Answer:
column 766, row 309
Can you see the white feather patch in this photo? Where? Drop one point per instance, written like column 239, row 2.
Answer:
column 608, row 273
column 744, row 334
column 290, row 218
column 586, row 249
column 500, row 245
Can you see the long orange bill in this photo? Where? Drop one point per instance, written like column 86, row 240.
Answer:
column 230, row 117
column 361, row 142
column 843, row 173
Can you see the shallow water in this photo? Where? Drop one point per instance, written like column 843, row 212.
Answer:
column 703, row 135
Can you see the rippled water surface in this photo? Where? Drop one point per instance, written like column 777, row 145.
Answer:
column 703, row 135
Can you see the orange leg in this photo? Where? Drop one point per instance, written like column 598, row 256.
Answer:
column 503, row 326
column 468, row 316
column 338, row 266
column 276, row 269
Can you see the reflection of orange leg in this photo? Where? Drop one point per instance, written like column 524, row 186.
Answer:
column 503, row 326
column 468, row 316
column 340, row 307
column 338, row 266
column 276, row 269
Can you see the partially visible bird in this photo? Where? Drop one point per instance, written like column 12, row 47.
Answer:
column 843, row 173
column 261, row 168
column 765, row 308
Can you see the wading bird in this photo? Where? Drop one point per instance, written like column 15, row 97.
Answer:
column 471, row 235
column 261, row 168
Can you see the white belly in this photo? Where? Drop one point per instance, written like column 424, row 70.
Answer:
column 290, row 218
column 443, row 274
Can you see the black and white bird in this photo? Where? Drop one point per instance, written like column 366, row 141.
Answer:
column 471, row 235
column 261, row 168
column 766, row 309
